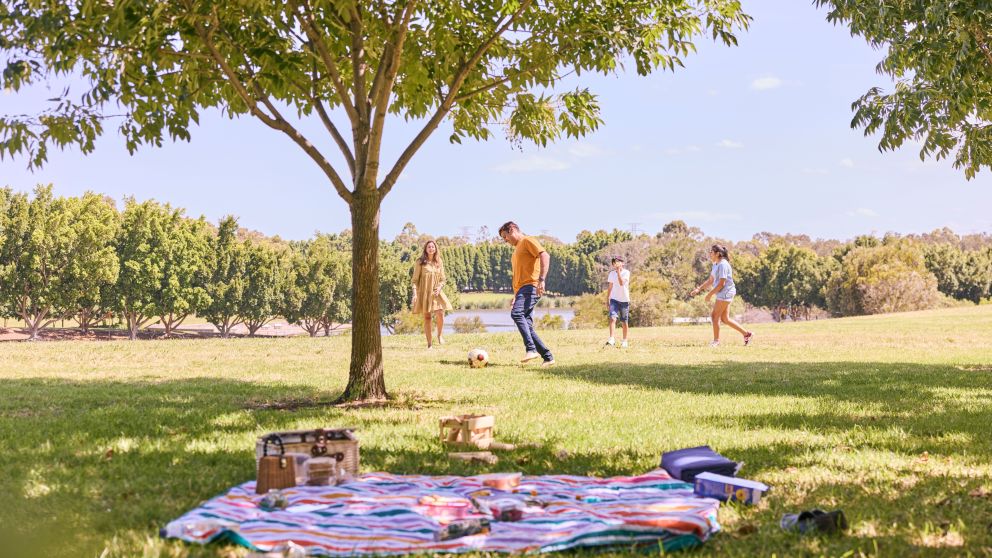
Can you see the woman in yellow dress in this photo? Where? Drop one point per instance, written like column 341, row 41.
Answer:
column 428, row 279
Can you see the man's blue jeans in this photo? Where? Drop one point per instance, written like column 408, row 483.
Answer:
column 522, row 314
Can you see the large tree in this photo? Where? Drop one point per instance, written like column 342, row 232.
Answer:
column 55, row 253
column 228, row 278
column 142, row 253
column 185, row 269
column 315, row 289
column 347, row 65
column 939, row 54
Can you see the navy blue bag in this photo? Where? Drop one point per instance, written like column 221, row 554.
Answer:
column 685, row 464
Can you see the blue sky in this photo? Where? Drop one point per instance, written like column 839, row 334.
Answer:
column 746, row 139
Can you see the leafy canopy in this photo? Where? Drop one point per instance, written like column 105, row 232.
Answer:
column 939, row 53
column 478, row 64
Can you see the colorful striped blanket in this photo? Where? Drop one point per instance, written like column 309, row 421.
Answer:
column 381, row 513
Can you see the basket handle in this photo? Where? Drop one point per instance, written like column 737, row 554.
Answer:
column 274, row 439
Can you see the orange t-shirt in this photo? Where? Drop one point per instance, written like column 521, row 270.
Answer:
column 526, row 263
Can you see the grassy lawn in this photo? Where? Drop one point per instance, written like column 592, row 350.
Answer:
column 886, row 417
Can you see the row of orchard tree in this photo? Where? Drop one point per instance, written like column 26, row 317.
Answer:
column 80, row 258
column 83, row 259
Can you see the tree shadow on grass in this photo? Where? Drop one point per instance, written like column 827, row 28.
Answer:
column 876, row 439
column 928, row 400
column 91, row 460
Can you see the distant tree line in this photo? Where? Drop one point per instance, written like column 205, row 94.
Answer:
column 796, row 277
column 82, row 259
column 85, row 260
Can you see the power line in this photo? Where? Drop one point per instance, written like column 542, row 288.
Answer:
column 635, row 228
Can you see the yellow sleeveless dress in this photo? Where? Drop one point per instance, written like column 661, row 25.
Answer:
column 426, row 277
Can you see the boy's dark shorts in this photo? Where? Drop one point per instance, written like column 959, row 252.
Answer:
column 620, row 310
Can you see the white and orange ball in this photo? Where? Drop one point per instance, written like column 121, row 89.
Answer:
column 478, row 358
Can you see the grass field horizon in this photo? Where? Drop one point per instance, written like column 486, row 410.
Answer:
column 885, row 416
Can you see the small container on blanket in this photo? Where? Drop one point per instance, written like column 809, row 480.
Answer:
column 501, row 508
column 321, row 471
column 732, row 489
column 501, row 481
column 462, row 528
column 444, row 509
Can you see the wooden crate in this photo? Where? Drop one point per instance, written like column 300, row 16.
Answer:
column 338, row 440
column 467, row 430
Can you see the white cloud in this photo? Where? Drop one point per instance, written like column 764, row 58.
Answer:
column 730, row 144
column 697, row 216
column 862, row 212
column 847, row 162
column 534, row 163
column 766, row 83
column 817, row 171
column 584, row 150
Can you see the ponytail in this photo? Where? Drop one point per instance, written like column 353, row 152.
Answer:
column 721, row 250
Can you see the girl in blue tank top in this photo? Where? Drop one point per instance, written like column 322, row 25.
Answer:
column 721, row 285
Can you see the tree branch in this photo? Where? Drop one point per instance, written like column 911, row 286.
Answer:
column 445, row 107
column 493, row 84
column 275, row 120
column 358, row 64
column 309, row 27
column 380, row 97
column 338, row 138
column 983, row 44
column 405, row 13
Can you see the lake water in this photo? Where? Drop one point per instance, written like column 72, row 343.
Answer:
column 499, row 320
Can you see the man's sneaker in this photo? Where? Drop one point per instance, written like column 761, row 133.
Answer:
column 548, row 363
column 611, row 341
column 747, row 338
column 623, row 344
column 531, row 355
column 714, row 344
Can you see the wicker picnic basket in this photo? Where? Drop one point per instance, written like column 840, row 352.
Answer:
column 333, row 440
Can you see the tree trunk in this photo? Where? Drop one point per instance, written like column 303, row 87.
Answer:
column 85, row 319
column 365, row 377
column 311, row 327
column 132, row 326
column 34, row 326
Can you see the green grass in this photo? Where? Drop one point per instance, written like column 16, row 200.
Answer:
column 887, row 417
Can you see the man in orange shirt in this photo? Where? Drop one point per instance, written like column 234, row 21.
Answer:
column 530, row 269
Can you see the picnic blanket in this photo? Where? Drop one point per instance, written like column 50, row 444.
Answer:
column 381, row 513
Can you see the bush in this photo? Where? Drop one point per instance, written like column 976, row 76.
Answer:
column 550, row 321
column 590, row 312
column 652, row 301
column 465, row 324
column 878, row 279
column 405, row 323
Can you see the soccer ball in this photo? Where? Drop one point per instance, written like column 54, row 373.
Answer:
column 478, row 358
